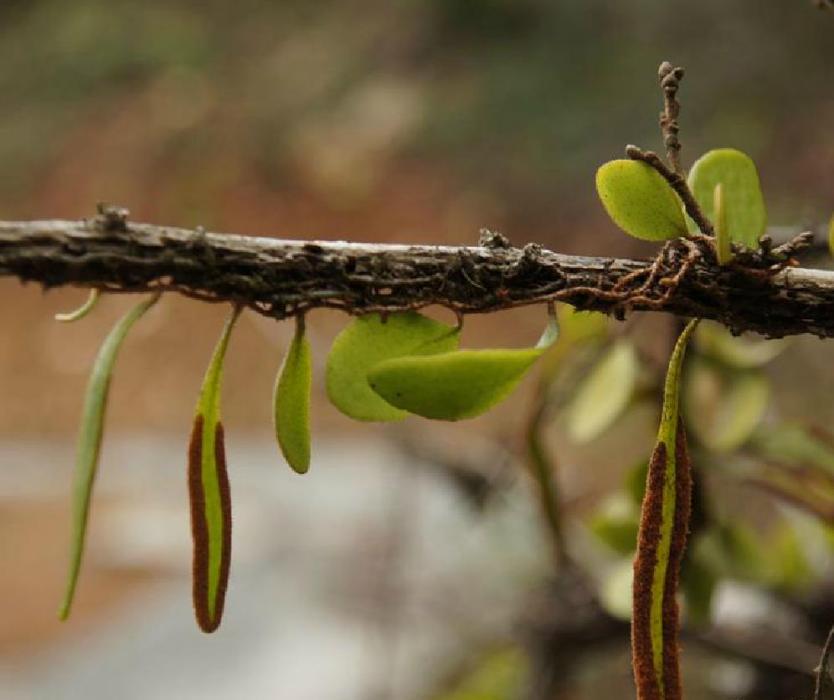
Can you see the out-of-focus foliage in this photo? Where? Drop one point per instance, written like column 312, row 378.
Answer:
column 604, row 392
column 724, row 406
column 713, row 340
column 499, row 675
column 517, row 97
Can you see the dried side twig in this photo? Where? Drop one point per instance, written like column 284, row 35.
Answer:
column 670, row 77
column 678, row 183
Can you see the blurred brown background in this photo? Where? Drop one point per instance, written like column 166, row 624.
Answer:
column 379, row 121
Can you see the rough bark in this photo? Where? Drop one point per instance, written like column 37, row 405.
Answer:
column 279, row 278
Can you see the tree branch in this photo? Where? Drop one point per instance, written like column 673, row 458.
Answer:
column 281, row 278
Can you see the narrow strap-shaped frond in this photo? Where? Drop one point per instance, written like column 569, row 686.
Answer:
column 89, row 442
column 663, row 529
column 209, row 494
column 291, row 402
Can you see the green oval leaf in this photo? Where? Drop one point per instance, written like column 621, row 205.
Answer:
column 292, row 402
column 744, row 207
column 724, row 408
column 455, row 385
column 366, row 342
column 640, row 201
column 209, row 494
column 89, row 443
column 604, row 393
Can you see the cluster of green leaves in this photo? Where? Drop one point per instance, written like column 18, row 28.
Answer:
column 725, row 399
column 384, row 369
column 724, row 182
column 379, row 369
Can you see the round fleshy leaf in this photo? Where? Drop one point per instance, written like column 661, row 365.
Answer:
column 604, row 393
column 452, row 385
column 640, row 201
column 456, row 385
column 741, row 194
column 366, row 342
column 724, row 408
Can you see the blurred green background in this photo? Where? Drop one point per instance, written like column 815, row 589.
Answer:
column 395, row 121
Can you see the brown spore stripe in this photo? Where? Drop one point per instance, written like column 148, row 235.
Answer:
column 651, row 520
column 683, row 507
column 199, row 528
column 226, row 509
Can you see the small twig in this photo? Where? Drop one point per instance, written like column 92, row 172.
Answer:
column 822, row 669
column 798, row 243
column 670, row 77
column 678, row 183
column 282, row 278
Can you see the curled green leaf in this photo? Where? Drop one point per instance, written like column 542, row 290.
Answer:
column 640, row 201
column 89, row 443
column 456, row 385
column 209, row 494
column 723, row 249
column 292, row 402
column 664, row 523
column 743, row 203
column 366, row 342
column 81, row 311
